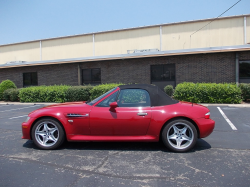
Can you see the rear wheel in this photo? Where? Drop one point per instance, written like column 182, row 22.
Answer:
column 47, row 134
column 179, row 135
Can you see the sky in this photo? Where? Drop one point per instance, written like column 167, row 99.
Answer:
column 27, row 20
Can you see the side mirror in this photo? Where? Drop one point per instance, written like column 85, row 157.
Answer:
column 113, row 105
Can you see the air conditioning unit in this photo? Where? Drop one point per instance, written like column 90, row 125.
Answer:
column 15, row 62
column 142, row 51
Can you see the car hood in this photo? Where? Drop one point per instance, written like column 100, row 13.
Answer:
column 67, row 104
column 61, row 108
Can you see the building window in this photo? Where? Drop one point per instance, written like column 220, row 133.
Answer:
column 91, row 76
column 164, row 72
column 244, row 68
column 30, row 79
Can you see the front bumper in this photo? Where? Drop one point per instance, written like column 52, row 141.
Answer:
column 26, row 128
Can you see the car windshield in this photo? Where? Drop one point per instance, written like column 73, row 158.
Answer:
column 102, row 96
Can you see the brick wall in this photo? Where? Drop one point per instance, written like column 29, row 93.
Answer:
column 244, row 55
column 217, row 67
column 214, row 67
column 47, row 75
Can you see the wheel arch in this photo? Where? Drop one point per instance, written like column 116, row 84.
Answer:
column 43, row 117
column 179, row 117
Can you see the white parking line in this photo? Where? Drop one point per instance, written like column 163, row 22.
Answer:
column 4, row 105
column 18, row 117
column 19, row 108
column 226, row 118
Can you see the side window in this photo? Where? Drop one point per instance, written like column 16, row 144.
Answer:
column 133, row 98
column 106, row 102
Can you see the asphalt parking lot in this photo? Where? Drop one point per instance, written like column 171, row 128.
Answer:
column 222, row 159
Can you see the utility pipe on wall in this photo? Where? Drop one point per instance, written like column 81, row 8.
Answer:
column 160, row 38
column 245, row 30
column 93, row 44
column 41, row 50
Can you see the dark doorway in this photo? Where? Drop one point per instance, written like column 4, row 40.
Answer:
column 163, row 75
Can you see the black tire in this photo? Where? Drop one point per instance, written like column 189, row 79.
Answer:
column 179, row 135
column 48, row 134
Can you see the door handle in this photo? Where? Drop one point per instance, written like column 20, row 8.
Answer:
column 77, row 115
column 142, row 114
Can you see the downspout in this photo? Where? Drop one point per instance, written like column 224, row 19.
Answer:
column 237, row 69
column 79, row 74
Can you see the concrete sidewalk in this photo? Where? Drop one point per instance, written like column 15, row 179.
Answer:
column 204, row 104
column 19, row 103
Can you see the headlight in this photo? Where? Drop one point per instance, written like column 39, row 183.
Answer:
column 27, row 119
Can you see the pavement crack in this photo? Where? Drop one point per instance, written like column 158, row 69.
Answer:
column 102, row 163
column 89, row 172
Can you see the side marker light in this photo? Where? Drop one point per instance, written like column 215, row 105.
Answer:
column 207, row 115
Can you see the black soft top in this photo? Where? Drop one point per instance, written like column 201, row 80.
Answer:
column 157, row 96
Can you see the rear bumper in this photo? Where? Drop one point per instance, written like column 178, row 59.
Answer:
column 206, row 127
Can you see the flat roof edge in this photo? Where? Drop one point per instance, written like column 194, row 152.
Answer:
column 133, row 55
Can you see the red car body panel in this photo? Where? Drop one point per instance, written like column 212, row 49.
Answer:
column 121, row 123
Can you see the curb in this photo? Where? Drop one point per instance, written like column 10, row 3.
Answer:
column 18, row 103
column 227, row 105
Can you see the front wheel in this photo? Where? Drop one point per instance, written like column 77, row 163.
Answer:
column 179, row 135
column 47, row 134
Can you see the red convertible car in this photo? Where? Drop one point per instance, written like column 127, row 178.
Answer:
column 136, row 112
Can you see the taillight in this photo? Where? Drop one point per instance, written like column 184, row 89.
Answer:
column 207, row 115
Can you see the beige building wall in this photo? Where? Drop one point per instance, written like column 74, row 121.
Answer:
column 119, row 42
column 20, row 52
column 222, row 32
column 63, row 48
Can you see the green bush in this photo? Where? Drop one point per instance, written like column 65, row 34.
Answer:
column 44, row 94
column 6, row 85
column 6, row 94
column 101, row 89
column 169, row 90
column 11, row 94
column 14, row 95
column 208, row 93
column 78, row 93
column 245, row 88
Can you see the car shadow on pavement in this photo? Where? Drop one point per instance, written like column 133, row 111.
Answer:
column 121, row 146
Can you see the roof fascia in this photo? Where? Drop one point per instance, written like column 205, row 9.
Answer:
column 134, row 55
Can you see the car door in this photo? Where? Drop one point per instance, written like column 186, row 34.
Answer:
column 131, row 117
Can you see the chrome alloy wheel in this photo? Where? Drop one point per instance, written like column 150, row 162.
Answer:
column 47, row 133
column 180, row 135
